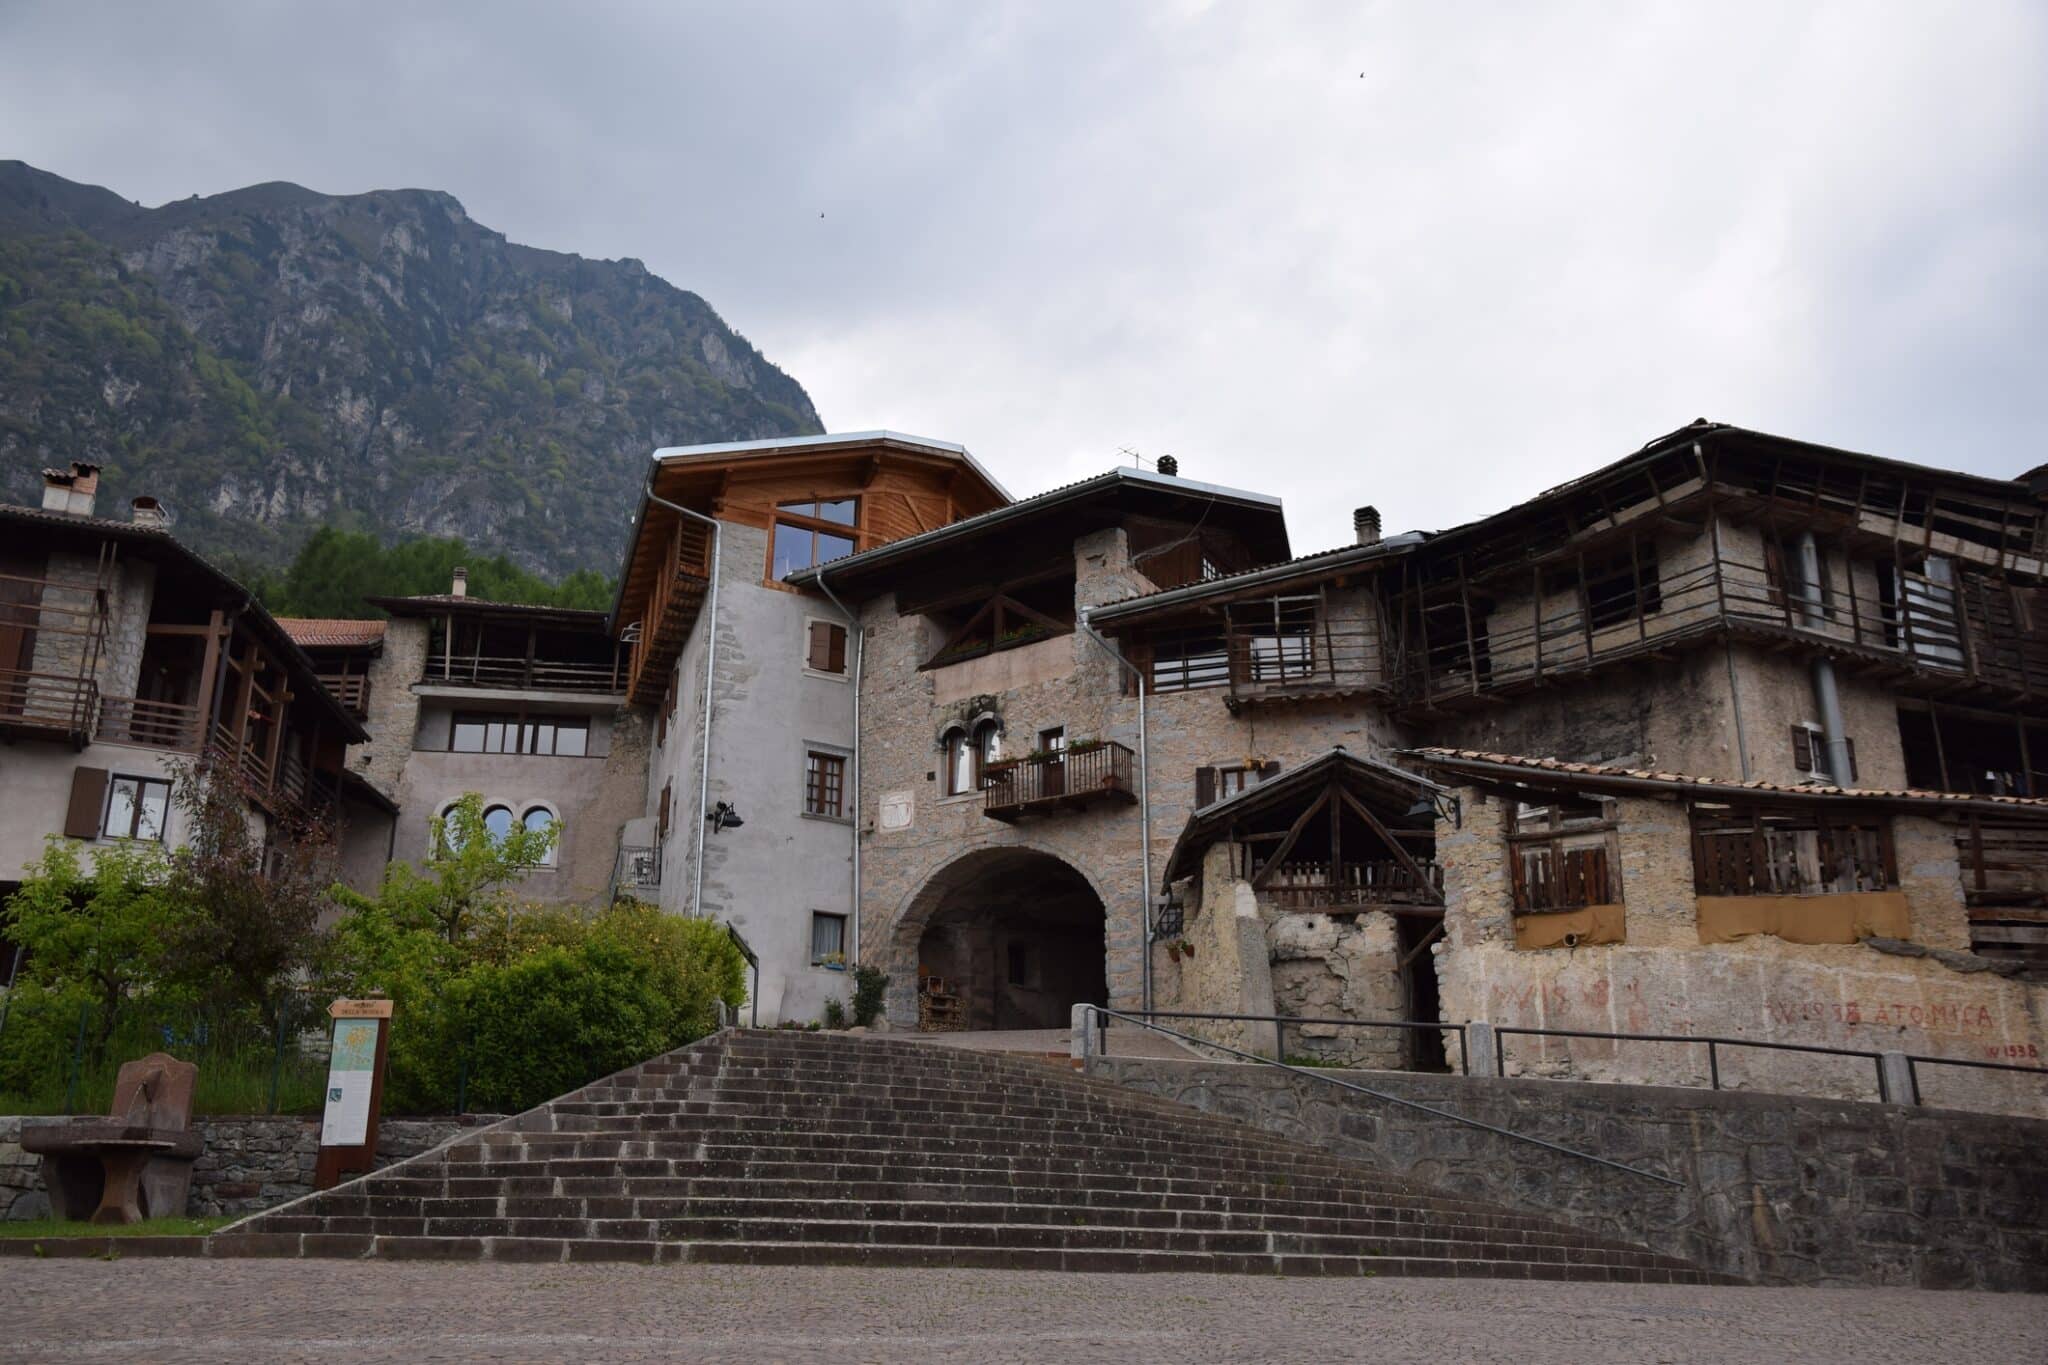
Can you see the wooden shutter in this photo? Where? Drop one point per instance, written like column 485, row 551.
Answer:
column 835, row 640
column 1850, row 745
column 1774, row 570
column 1205, row 787
column 1802, row 749
column 662, row 818
column 1269, row 769
column 88, row 801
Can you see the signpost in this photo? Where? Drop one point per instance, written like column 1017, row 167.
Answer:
column 355, row 1089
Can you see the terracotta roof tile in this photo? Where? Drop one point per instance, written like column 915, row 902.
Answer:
column 1456, row 759
column 327, row 632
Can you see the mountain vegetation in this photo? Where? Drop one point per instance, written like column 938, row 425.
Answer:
column 274, row 360
column 335, row 571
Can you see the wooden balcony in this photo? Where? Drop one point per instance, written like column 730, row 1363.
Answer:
column 1927, row 637
column 1353, row 886
column 521, row 675
column 152, row 724
column 352, row 690
column 47, row 706
column 677, row 597
column 1068, row 780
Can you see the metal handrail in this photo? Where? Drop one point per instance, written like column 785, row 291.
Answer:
column 1913, row 1060
column 1281, row 1021
column 1101, row 1010
column 1714, row 1044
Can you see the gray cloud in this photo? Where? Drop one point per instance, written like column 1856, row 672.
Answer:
column 1433, row 257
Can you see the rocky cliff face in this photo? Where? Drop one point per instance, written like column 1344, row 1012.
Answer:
column 272, row 359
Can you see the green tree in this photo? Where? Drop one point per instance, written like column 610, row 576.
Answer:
column 469, row 867
column 104, row 928
column 249, row 908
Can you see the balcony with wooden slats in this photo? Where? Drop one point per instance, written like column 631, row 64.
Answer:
column 1070, row 779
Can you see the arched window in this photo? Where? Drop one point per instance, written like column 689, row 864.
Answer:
column 968, row 754
column 959, row 762
column 537, row 819
column 498, row 822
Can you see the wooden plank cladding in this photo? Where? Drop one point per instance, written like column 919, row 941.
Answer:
column 857, row 492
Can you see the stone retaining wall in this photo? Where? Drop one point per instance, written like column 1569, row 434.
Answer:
column 249, row 1163
column 1776, row 1188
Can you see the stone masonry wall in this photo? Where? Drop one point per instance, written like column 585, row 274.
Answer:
column 1922, row 997
column 903, row 714
column 249, row 1163
column 394, row 707
column 1779, row 1189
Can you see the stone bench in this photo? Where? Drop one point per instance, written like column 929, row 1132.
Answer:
column 135, row 1163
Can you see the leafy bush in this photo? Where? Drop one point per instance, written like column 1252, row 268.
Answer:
column 869, row 985
column 835, row 1013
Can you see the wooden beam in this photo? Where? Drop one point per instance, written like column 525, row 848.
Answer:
column 1293, row 836
column 1407, row 860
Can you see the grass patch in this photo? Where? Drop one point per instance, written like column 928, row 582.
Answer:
column 46, row 1229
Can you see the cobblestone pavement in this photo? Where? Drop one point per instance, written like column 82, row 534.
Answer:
column 371, row 1312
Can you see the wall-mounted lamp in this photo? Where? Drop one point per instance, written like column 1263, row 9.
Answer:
column 723, row 816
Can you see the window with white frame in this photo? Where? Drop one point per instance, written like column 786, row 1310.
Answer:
column 137, row 808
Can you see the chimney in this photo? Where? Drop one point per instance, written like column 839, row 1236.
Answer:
column 73, row 491
column 1168, row 466
column 460, row 588
column 1366, row 523
column 147, row 511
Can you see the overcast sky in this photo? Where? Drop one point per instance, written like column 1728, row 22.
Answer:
column 1431, row 256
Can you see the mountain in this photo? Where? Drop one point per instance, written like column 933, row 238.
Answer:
column 274, row 359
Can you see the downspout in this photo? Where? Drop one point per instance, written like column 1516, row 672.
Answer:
column 1144, row 808
column 710, row 680
column 1825, row 694
column 860, row 654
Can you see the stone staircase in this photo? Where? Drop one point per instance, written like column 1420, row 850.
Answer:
column 793, row 1148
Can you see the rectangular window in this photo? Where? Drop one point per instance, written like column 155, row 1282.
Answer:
column 661, row 816
column 825, row 648
column 1764, row 852
column 828, row 938
column 824, row 784
column 1191, row 660
column 807, row 534
column 1559, row 859
column 557, row 736
column 1617, row 587
column 137, row 808
column 1810, row 754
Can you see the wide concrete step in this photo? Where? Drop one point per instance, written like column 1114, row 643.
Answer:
column 815, row 1149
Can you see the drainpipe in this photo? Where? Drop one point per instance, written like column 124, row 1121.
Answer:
column 859, row 657
column 710, row 680
column 1144, row 807
column 1825, row 694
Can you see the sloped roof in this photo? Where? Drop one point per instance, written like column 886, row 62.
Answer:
column 1285, row 788
column 1270, row 527
column 331, row 632
column 1558, row 773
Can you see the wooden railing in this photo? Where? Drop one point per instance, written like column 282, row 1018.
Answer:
column 1313, row 885
column 1968, row 630
column 157, row 724
column 246, row 761
column 52, row 702
column 352, row 690
column 542, row 675
column 1072, row 777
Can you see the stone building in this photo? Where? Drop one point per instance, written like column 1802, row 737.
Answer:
column 524, row 706
column 1057, row 692
column 124, row 659
column 750, row 796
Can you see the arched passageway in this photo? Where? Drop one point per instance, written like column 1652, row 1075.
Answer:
column 1005, row 938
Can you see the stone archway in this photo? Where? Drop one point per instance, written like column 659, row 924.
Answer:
column 1017, row 936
